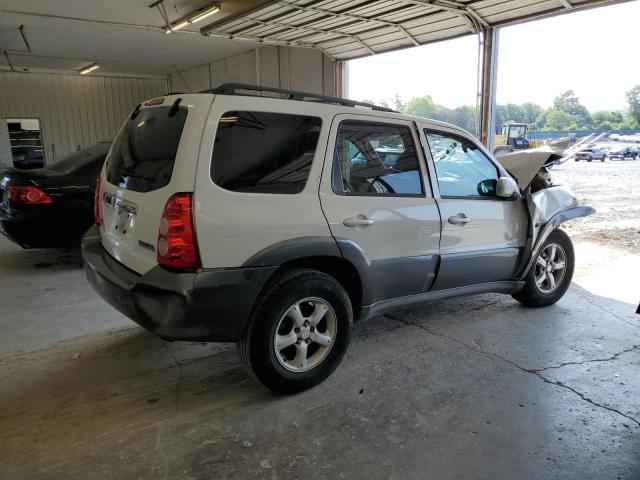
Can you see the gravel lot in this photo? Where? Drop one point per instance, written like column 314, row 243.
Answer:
column 613, row 189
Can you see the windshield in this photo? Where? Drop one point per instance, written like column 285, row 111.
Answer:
column 144, row 152
column 517, row 131
column 78, row 160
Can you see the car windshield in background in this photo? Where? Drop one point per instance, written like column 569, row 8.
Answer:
column 143, row 154
column 78, row 160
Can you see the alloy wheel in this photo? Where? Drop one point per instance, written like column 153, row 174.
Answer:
column 550, row 268
column 305, row 334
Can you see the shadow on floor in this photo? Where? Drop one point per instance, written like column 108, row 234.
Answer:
column 41, row 259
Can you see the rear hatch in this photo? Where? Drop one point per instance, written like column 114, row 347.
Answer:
column 153, row 157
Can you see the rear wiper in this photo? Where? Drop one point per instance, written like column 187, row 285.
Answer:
column 140, row 177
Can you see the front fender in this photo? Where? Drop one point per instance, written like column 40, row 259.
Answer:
column 549, row 208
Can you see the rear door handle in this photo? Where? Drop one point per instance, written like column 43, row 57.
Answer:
column 460, row 219
column 358, row 221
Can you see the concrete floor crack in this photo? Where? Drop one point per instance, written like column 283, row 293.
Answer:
column 537, row 373
column 615, row 315
column 608, row 359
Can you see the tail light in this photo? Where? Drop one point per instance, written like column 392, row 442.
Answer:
column 28, row 195
column 177, row 246
column 97, row 210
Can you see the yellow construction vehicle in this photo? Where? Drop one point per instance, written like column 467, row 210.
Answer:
column 514, row 136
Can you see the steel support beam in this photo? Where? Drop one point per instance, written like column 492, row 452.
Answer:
column 487, row 85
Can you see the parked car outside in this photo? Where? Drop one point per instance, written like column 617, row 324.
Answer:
column 591, row 153
column 624, row 152
column 51, row 207
column 277, row 222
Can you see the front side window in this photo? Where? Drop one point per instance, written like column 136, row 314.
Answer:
column 375, row 159
column 462, row 169
column 258, row 152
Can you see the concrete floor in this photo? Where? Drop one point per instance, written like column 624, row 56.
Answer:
column 473, row 388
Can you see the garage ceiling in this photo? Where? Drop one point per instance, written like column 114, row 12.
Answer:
column 355, row 28
column 127, row 36
column 124, row 36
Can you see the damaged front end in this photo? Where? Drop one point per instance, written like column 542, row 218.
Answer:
column 548, row 205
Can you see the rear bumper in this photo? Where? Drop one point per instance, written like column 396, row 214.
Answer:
column 41, row 231
column 211, row 305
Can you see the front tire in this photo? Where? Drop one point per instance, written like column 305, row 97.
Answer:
column 551, row 274
column 298, row 332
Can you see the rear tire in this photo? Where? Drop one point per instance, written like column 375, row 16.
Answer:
column 298, row 332
column 550, row 277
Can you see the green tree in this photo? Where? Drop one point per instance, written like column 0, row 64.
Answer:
column 607, row 120
column 526, row 113
column 559, row 120
column 568, row 102
column 398, row 104
column 633, row 99
column 421, row 107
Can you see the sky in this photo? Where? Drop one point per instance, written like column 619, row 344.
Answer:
column 537, row 61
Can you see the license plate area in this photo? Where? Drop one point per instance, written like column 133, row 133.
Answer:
column 125, row 212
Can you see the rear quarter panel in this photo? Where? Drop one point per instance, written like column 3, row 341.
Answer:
column 232, row 227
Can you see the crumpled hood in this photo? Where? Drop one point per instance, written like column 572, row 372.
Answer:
column 524, row 165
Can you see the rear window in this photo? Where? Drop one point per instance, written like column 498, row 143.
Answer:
column 143, row 154
column 261, row 152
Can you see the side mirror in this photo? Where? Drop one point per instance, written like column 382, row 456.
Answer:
column 506, row 187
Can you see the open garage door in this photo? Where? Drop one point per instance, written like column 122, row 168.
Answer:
column 346, row 30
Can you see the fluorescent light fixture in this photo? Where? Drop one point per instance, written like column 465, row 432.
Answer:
column 193, row 18
column 207, row 13
column 230, row 119
column 90, row 68
column 178, row 26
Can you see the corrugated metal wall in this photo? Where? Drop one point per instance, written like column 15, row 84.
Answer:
column 284, row 67
column 74, row 111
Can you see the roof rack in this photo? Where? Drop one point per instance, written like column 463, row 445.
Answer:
column 260, row 91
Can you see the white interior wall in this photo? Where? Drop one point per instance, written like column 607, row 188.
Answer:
column 77, row 111
column 272, row 66
column 74, row 111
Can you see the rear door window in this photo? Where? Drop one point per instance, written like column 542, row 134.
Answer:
column 144, row 152
column 375, row 159
column 259, row 152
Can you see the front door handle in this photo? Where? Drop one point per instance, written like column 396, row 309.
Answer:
column 357, row 221
column 459, row 219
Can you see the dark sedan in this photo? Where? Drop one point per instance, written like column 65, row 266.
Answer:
column 51, row 207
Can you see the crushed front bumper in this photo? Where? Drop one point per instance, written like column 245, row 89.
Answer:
column 209, row 305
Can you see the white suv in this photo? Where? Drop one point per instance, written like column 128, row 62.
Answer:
column 274, row 219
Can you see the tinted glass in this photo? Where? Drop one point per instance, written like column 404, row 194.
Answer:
column 82, row 160
column 144, row 152
column 261, row 152
column 375, row 159
column 461, row 167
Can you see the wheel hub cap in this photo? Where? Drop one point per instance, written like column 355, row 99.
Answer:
column 305, row 334
column 550, row 268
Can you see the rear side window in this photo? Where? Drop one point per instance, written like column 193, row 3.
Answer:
column 144, row 152
column 260, row 152
column 375, row 159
